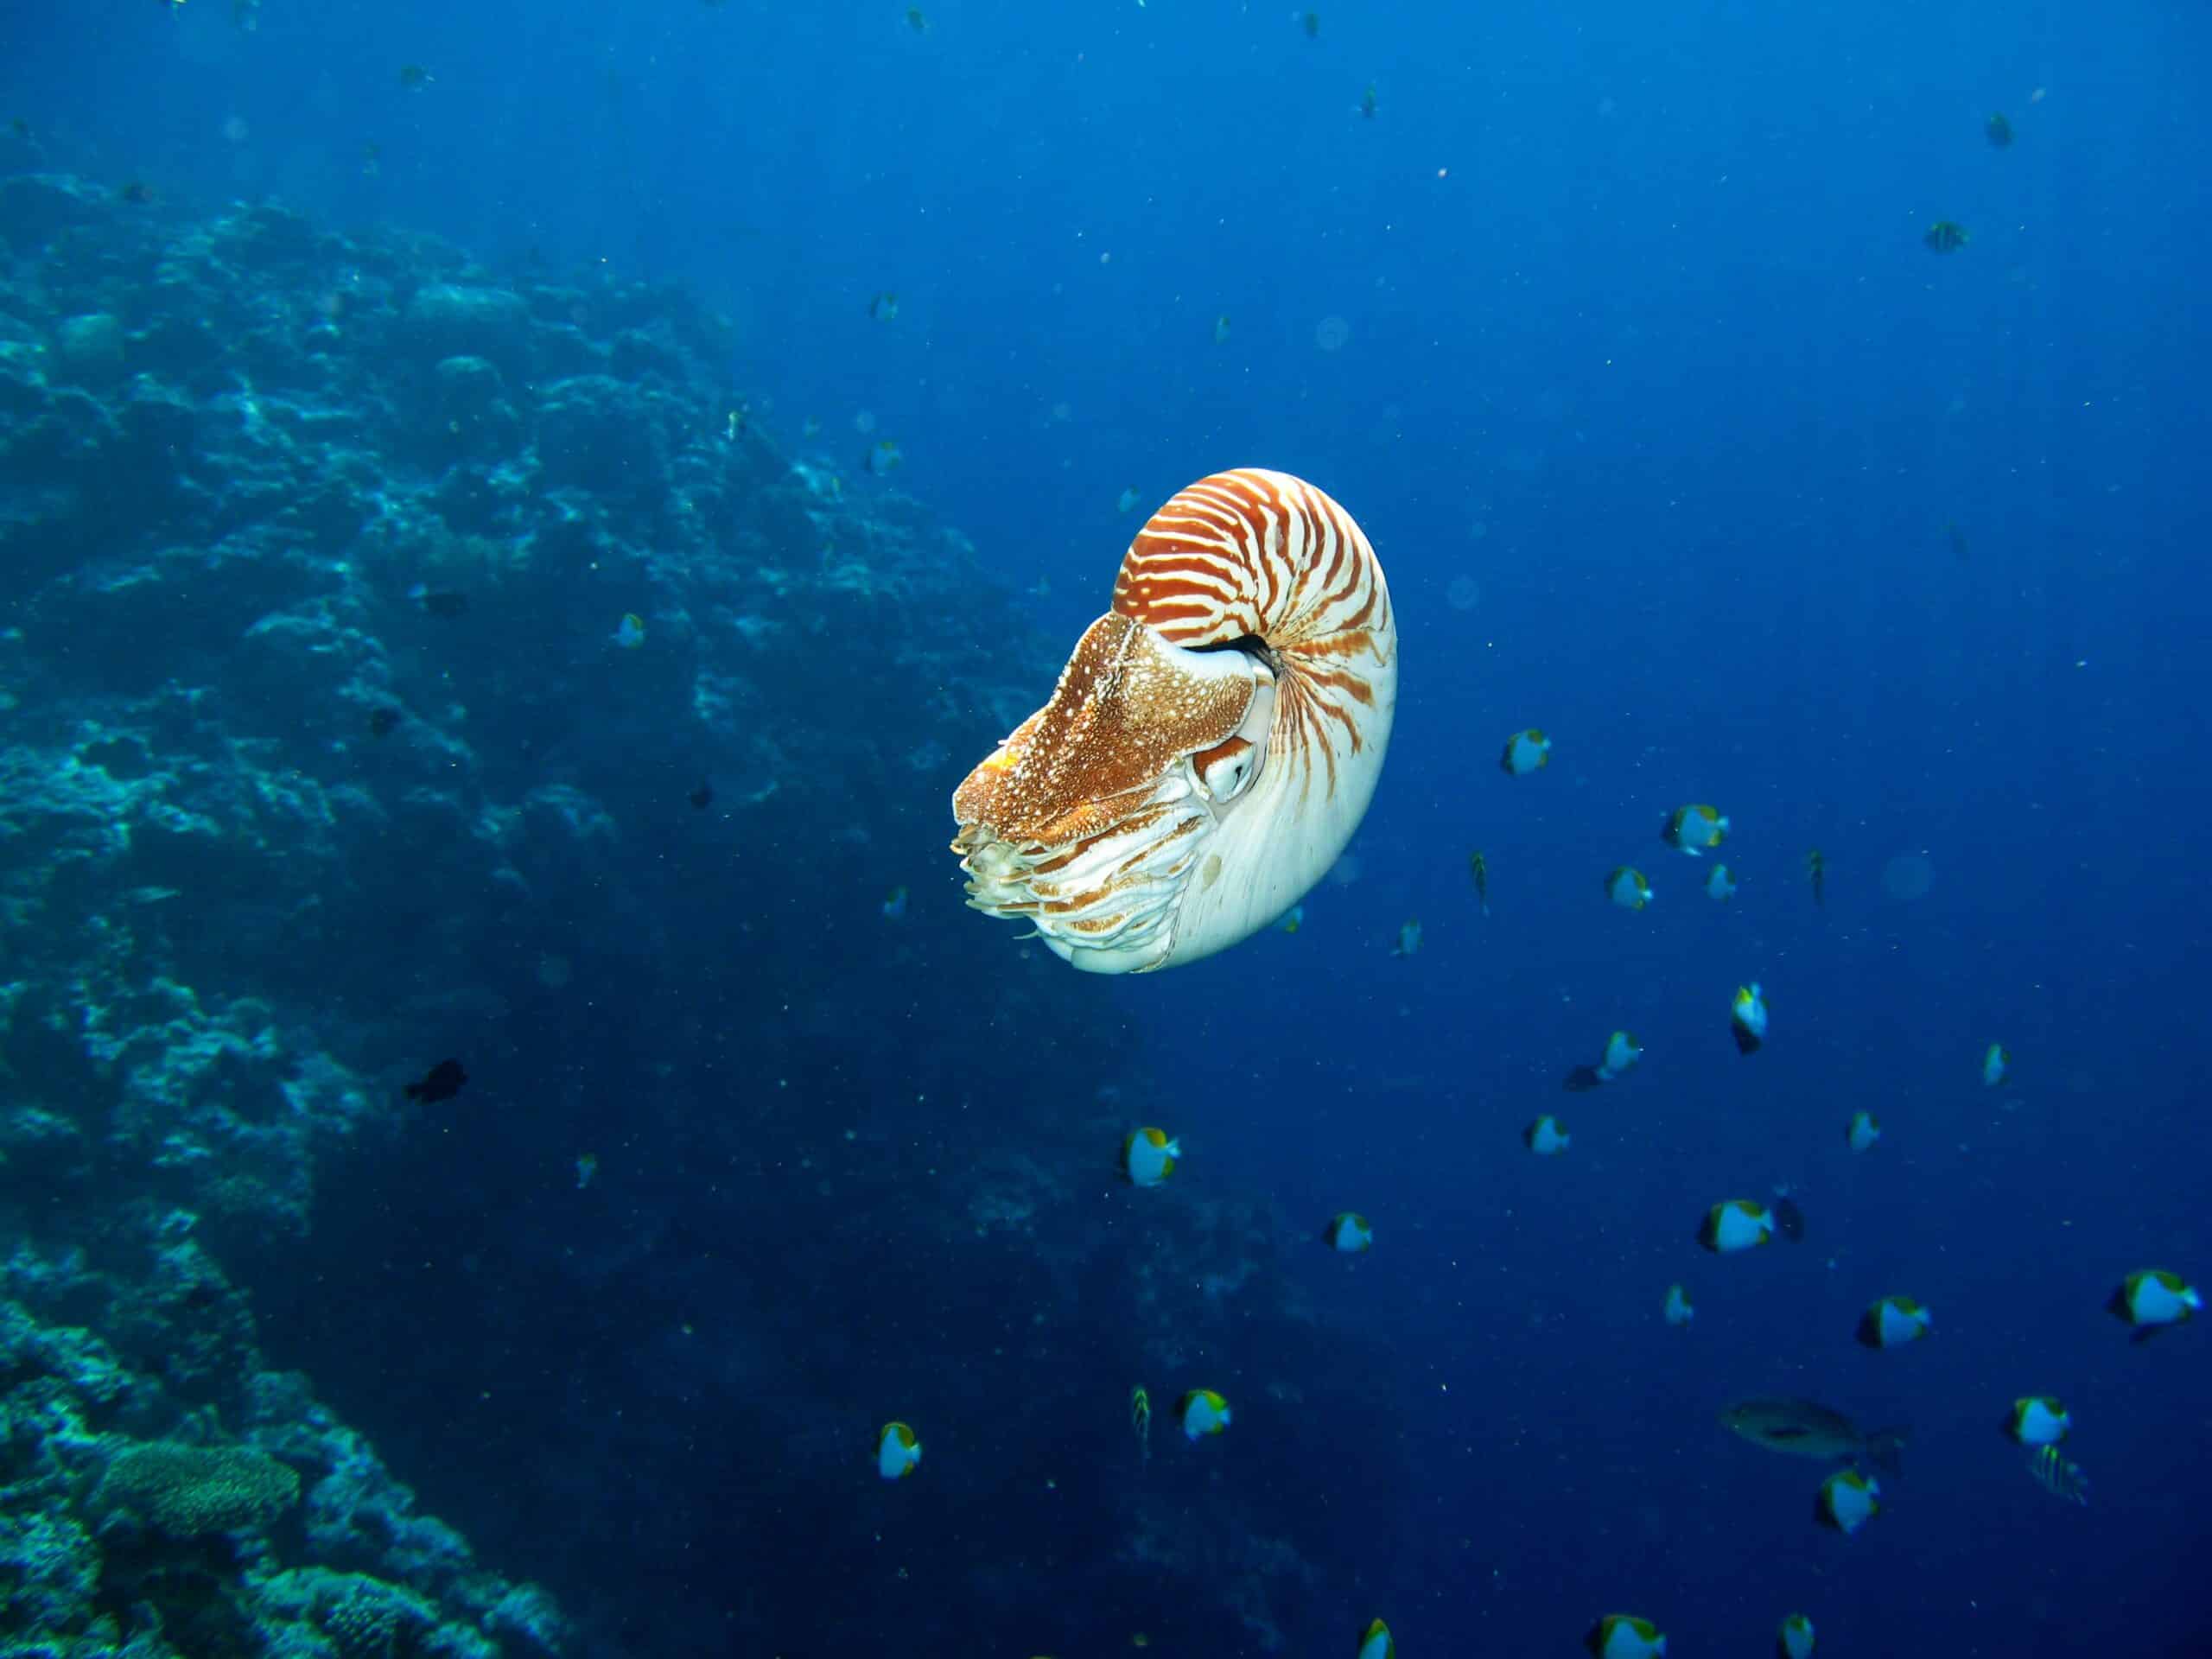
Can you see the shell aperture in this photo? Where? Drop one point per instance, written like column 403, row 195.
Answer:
column 1213, row 741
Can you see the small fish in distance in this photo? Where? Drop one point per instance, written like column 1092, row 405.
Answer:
column 444, row 603
column 1804, row 1428
column 1627, row 888
column 442, row 1082
column 1789, row 1219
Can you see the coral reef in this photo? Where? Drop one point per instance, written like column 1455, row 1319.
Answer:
column 190, row 1544
column 321, row 757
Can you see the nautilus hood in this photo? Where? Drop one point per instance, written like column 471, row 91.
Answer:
column 1213, row 741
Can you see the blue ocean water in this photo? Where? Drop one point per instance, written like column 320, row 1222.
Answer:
column 1616, row 331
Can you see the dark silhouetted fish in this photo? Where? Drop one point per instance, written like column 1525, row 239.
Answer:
column 1800, row 1428
column 443, row 1083
column 441, row 602
column 704, row 797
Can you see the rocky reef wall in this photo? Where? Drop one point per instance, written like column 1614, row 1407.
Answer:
column 401, row 659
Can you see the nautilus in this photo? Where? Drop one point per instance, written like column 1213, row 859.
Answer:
column 1212, row 743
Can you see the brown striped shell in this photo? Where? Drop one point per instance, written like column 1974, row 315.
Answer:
column 1212, row 743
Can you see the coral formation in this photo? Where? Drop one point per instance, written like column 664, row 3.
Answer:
column 188, row 1490
column 316, row 750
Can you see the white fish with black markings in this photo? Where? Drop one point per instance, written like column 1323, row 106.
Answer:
column 1736, row 1224
column 1747, row 1018
column 897, row 1452
column 1627, row 888
column 1547, row 1137
column 2152, row 1300
column 1892, row 1322
column 2037, row 1419
column 1848, row 1501
column 1148, row 1156
column 1695, row 830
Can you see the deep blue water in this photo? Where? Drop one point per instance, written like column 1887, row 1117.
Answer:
column 1637, row 334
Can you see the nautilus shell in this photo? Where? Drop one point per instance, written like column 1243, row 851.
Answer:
column 1213, row 741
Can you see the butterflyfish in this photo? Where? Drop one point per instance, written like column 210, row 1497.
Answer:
column 1624, row 1636
column 1349, row 1233
column 1203, row 1412
column 1148, row 1156
column 1892, row 1322
column 1526, row 751
column 1627, row 888
column 1747, row 1018
column 897, row 1452
column 1547, row 1137
column 1848, row 1501
column 2152, row 1300
column 2037, row 1419
column 1695, row 830
column 1621, row 1051
column 1737, row 1224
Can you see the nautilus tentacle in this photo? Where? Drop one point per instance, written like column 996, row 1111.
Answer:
column 1213, row 741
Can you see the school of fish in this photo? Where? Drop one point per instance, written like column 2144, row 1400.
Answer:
column 1849, row 1497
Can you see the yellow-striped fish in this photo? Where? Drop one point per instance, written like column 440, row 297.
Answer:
column 1140, row 1418
column 2059, row 1475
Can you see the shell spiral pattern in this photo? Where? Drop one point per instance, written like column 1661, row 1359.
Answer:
column 1212, row 743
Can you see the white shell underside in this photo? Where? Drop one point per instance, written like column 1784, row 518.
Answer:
column 1159, row 872
column 1174, row 883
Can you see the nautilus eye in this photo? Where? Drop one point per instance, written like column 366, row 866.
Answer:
column 1213, row 741
column 1227, row 767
